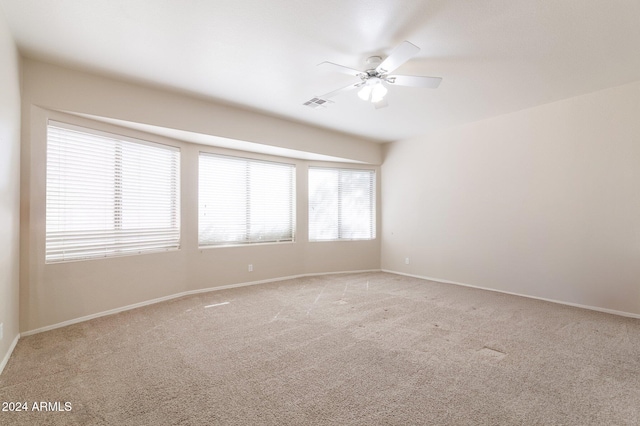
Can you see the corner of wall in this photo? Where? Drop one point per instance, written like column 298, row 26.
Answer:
column 9, row 191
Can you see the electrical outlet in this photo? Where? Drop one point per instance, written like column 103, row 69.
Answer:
column 406, row 260
column 250, row 267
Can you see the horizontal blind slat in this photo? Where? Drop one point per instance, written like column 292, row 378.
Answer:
column 108, row 195
column 243, row 201
column 341, row 204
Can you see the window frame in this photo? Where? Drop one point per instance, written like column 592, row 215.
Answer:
column 373, row 203
column 119, row 229
column 247, row 242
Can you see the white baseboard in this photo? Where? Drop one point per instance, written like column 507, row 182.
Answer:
column 5, row 360
column 575, row 305
column 175, row 296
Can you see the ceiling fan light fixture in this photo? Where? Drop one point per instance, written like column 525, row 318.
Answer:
column 378, row 92
column 373, row 90
column 365, row 93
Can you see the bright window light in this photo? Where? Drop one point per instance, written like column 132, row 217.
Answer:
column 107, row 195
column 341, row 204
column 244, row 201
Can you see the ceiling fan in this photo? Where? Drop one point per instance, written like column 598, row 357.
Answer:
column 373, row 82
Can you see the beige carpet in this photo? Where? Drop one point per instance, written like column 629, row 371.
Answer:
column 357, row 349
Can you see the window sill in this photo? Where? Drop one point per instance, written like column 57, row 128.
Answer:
column 253, row 244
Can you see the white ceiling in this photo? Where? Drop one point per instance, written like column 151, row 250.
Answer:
column 495, row 56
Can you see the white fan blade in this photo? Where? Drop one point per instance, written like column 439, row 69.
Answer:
column 342, row 89
column 342, row 69
column 414, row 81
column 381, row 104
column 401, row 54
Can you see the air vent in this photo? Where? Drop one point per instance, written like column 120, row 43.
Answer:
column 317, row 102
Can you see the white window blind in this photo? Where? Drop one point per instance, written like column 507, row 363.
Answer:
column 341, row 204
column 108, row 195
column 245, row 201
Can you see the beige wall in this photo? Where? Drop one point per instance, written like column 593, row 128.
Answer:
column 543, row 202
column 55, row 293
column 9, row 188
column 70, row 90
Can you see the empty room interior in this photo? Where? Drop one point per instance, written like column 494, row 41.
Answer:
column 338, row 212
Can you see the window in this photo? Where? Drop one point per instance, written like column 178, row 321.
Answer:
column 341, row 204
column 245, row 201
column 108, row 195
